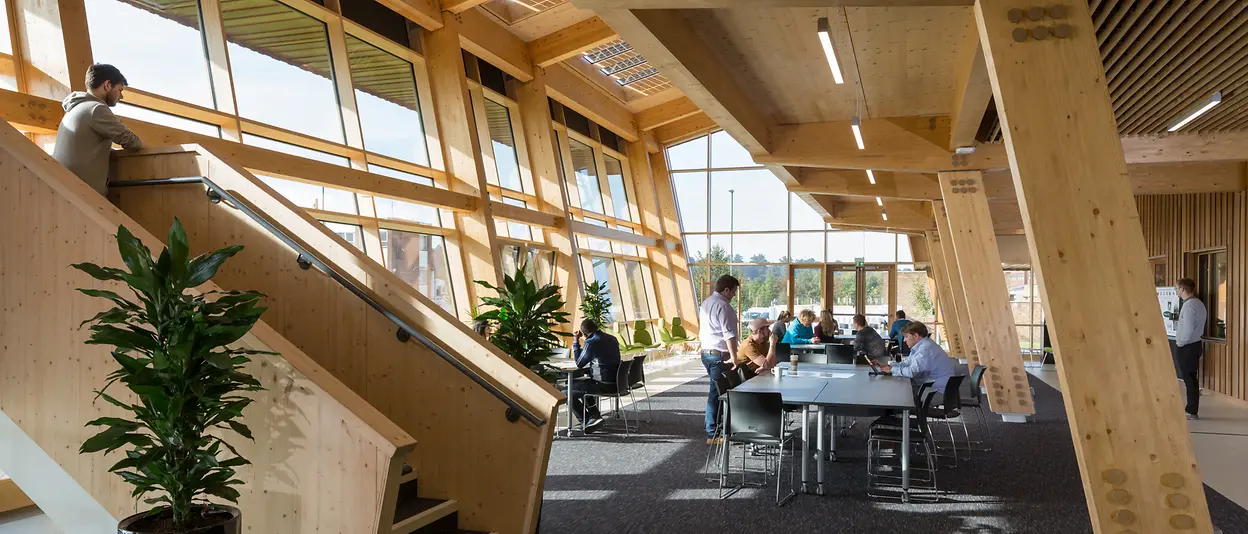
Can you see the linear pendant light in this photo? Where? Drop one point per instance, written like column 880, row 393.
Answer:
column 856, row 125
column 871, row 176
column 884, row 214
column 879, row 202
column 825, row 37
column 1203, row 108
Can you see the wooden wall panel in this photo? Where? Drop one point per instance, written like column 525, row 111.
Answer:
column 1177, row 224
column 322, row 458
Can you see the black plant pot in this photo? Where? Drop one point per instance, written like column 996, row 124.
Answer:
column 216, row 520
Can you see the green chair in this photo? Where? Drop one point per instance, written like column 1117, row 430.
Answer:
column 642, row 337
column 679, row 335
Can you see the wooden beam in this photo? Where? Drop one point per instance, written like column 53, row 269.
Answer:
column 1131, row 439
column 965, row 342
column 551, row 189
column 916, row 144
column 611, row 234
column 948, row 299
column 460, row 6
column 902, row 214
column 568, row 42
column 507, row 212
column 1173, row 148
column 1195, row 177
column 486, row 38
column 685, row 129
column 730, row 4
column 573, row 91
column 666, row 113
column 987, row 300
column 889, row 184
column 426, row 13
column 971, row 95
column 672, row 45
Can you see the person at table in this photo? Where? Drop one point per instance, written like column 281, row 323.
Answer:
column 927, row 361
column 778, row 330
column 718, row 325
column 755, row 352
column 894, row 332
column 601, row 353
column 827, row 328
column 800, row 331
column 867, row 340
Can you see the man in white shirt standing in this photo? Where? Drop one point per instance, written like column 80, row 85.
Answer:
column 1192, row 317
column 719, row 329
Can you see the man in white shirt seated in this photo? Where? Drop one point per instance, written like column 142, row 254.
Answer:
column 1192, row 317
column 719, row 328
column 928, row 362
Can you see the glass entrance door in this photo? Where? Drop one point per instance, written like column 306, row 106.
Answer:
column 843, row 295
column 876, row 297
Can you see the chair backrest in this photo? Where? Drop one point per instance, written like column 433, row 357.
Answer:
column 953, row 395
column 621, row 377
column 746, row 373
column 641, row 334
column 755, row 412
column 637, row 371
column 918, row 395
column 924, row 407
column 783, row 351
column 722, row 385
column 734, row 379
column 664, row 333
column 812, row 357
column 977, row 380
column 837, row 353
column 678, row 329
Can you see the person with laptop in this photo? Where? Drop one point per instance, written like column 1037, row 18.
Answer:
column 927, row 361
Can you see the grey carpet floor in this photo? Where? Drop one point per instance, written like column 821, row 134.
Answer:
column 653, row 482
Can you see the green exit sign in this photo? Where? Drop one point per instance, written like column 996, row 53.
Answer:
column 859, row 262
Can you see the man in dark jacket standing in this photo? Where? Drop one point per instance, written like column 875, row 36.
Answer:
column 89, row 128
column 601, row 353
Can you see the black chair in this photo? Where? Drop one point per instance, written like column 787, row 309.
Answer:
column 722, row 386
column 744, row 372
column 758, row 419
column 637, row 380
column 734, row 379
column 620, row 390
column 839, row 353
column 812, row 357
column 975, row 399
column 882, row 465
column 951, row 408
column 783, row 352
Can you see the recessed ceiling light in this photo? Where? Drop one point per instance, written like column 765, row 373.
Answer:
column 825, row 38
column 878, row 202
column 884, row 214
column 871, row 176
column 856, row 125
column 1201, row 109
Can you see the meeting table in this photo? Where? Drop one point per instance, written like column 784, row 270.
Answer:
column 838, row 389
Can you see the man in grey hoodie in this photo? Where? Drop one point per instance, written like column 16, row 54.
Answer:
column 89, row 129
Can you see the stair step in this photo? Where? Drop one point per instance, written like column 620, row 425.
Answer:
column 408, row 474
column 426, row 515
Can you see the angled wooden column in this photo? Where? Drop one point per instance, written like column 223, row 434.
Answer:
column 687, row 307
column 648, row 204
column 550, row 186
column 55, row 46
column 461, row 152
column 995, row 338
column 945, row 295
column 1088, row 251
column 957, row 295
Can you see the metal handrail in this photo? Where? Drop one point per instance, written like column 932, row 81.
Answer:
column 307, row 259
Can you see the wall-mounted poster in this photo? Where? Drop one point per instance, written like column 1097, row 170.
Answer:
column 1168, row 298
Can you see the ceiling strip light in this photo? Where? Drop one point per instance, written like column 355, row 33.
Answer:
column 879, row 202
column 1207, row 105
column 884, row 214
column 825, row 37
column 856, row 125
column 871, row 176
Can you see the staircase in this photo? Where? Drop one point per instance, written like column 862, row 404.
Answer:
column 365, row 359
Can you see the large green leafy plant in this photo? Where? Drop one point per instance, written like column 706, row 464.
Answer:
column 523, row 317
column 171, row 346
column 596, row 303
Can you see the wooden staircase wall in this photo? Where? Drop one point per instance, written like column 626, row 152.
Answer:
column 323, row 459
column 469, row 451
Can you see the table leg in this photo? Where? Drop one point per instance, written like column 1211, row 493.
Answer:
column 821, row 449
column 905, row 456
column 805, row 443
column 832, row 432
column 567, row 406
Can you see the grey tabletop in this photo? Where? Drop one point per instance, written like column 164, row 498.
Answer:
column 849, row 385
column 793, row 389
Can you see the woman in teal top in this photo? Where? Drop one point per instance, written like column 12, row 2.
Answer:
column 800, row 331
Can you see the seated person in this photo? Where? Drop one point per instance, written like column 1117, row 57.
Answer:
column 927, row 362
column 800, row 332
column 778, row 330
column 601, row 352
column 755, row 352
column 827, row 328
column 894, row 332
column 867, row 340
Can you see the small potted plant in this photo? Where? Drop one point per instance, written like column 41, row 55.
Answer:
column 171, row 347
column 522, row 319
column 597, row 303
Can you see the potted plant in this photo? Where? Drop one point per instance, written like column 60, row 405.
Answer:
column 171, row 347
column 522, row 319
column 597, row 303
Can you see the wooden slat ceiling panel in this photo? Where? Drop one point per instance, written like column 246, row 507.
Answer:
column 907, row 57
column 278, row 31
column 1162, row 58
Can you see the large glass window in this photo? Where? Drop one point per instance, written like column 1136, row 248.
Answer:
column 420, row 260
column 639, row 304
column 503, row 143
column 619, row 193
column 351, row 233
column 164, row 119
column 1211, row 288
column 279, row 58
column 691, row 196
column 585, row 169
column 156, row 44
column 599, row 269
column 398, row 209
column 385, row 96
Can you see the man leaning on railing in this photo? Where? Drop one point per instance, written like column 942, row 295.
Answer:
column 89, row 128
